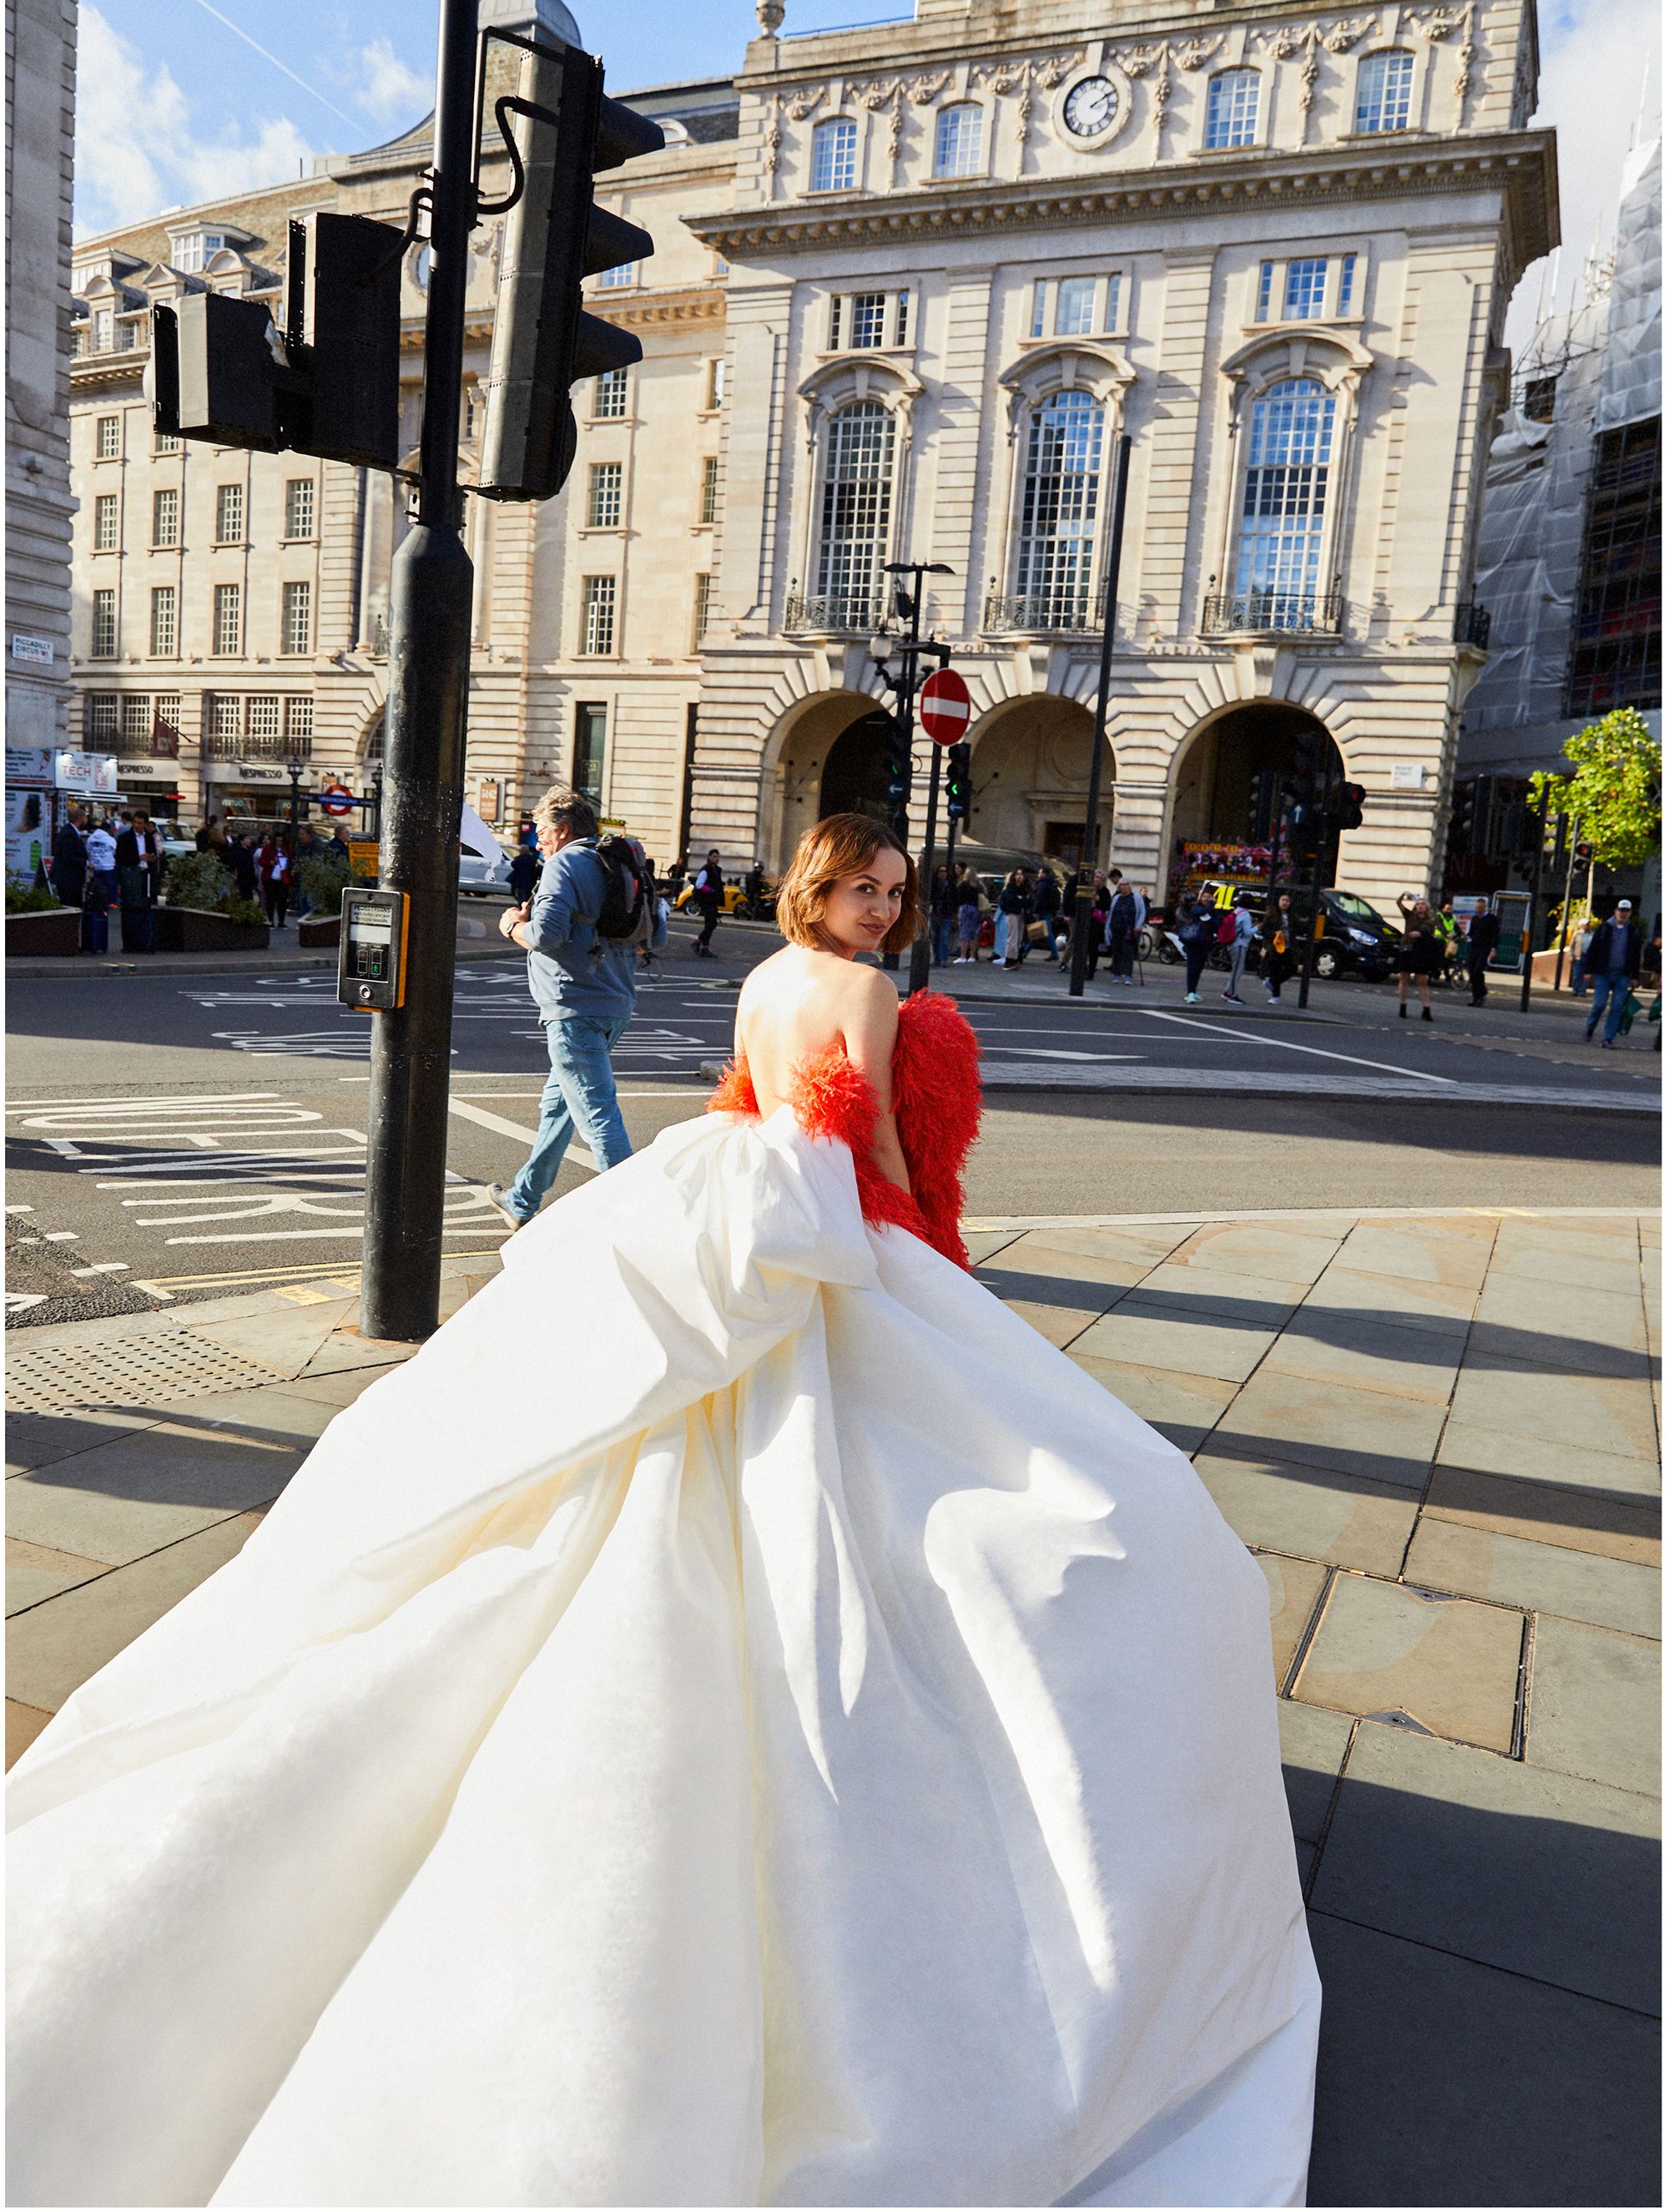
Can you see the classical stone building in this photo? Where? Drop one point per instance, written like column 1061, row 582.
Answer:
column 911, row 286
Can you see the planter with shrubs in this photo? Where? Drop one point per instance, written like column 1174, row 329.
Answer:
column 321, row 882
column 36, row 924
column 205, row 913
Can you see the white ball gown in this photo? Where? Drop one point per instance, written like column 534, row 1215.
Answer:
column 737, row 1719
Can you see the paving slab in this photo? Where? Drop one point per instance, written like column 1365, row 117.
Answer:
column 1592, row 1413
column 277, row 1411
column 52, row 1650
column 125, row 1500
column 1607, row 1524
column 1335, row 1347
column 982, row 1242
column 1028, row 1285
column 1446, row 1663
column 23, row 1724
column 1591, row 1236
column 35, row 1572
column 1184, row 1408
column 38, row 1439
column 1336, row 1425
column 1541, row 1325
column 1595, row 1706
column 348, row 1349
column 1398, row 1301
column 1294, row 1586
column 1033, row 1253
column 1135, row 1244
column 1264, row 1300
column 1166, row 1337
column 1526, row 1458
column 1535, row 1873
column 1313, row 1743
column 1423, row 1253
column 1309, row 1512
column 338, row 1390
column 1444, row 2083
column 1250, row 1247
column 1577, row 1270
column 284, row 1342
column 1540, row 1577
column 1061, row 1325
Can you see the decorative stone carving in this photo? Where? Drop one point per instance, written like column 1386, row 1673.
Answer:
column 800, row 104
column 1056, row 70
column 1002, row 76
column 1194, row 53
column 921, row 89
column 1309, row 39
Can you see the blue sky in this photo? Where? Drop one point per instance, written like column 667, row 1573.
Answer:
column 176, row 106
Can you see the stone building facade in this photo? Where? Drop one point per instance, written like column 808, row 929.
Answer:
column 912, row 284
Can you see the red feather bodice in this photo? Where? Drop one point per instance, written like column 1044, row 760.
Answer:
column 935, row 1104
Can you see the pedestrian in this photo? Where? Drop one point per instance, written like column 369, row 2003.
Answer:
column 1200, row 936
column 102, row 887
column 581, row 973
column 139, row 874
column 336, row 846
column 1483, row 935
column 1614, row 961
column 1121, row 929
column 1012, row 902
column 1421, row 954
column 1446, row 928
column 970, row 902
column 274, row 872
column 1275, row 931
column 1046, row 908
column 69, row 863
column 211, row 838
column 246, row 871
column 1239, row 944
column 753, row 891
column 708, row 897
column 941, row 915
column 524, row 867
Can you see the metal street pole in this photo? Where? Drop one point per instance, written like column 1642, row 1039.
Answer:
column 1572, row 833
column 1084, row 889
column 429, row 662
column 1316, row 873
column 1535, row 895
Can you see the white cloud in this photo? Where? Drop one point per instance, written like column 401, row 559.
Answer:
column 139, row 148
column 390, row 90
column 1599, row 57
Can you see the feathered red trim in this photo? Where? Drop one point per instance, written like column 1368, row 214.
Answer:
column 936, row 1102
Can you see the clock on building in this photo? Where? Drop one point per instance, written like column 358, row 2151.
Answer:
column 1091, row 107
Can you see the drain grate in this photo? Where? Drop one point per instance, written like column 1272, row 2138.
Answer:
column 177, row 1363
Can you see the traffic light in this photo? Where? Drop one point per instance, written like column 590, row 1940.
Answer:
column 1260, row 812
column 1345, row 811
column 1465, row 823
column 542, row 340
column 1303, row 814
column 214, row 372
column 959, row 781
column 898, row 766
column 1584, row 852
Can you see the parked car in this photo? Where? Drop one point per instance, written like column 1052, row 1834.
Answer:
column 479, row 878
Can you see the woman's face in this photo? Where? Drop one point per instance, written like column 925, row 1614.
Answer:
column 862, row 907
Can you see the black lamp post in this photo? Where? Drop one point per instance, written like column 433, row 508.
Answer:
column 905, row 682
column 296, row 771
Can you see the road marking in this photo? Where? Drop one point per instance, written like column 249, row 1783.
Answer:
column 63, row 1236
column 173, row 1098
column 1283, row 1045
column 103, row 1267
column 21, row 1301
column 1045, row 1052
column 576, row 1152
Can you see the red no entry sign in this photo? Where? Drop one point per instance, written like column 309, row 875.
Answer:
column 946, row 708
column 337, row 798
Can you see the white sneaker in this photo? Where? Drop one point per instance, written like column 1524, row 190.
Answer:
column 1193, row 998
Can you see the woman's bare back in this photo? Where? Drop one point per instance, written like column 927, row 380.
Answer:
column 799, row 1003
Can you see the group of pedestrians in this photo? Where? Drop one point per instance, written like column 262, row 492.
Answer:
column 103, row 860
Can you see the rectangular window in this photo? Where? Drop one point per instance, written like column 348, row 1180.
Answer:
column 835, row 307
column 108, row 437
column 597, row 631
column 167, row 714
column 1306, row 289
column 1040, row 305
column 299, row 507
column 295, row 627
column 1277, row 580
column 104, row 625
column 834, row 154
column 1265, row 287
column 709, row 506
column 603, row 497
column 164, row 444
column 1075, row 306
column 715, row 384
column 1540, row 396
column 956, row 141
column 165, row 622
column 611, row 403
column 1231, row 110
column 901, row 321
column 298, row 722
column 263, row 722
column 229, row 514
column 703, row 600
column 590, row 737
column 103, row 331
column 1114, row 301
column 225, row 715
column 1346, row 283
column 135, row 721
column 868, row 312
column 1385, row 87
column 228, row 618
column 104, row 523
column 165, row 517
column 100, row 722
column 857, row 515
column 612, row 280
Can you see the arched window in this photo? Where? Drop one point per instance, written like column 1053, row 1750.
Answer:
column 1289, row 455
column 1057, row 501
column 1231, row 108
column 956, row 141
column 857, row 514
column 834, row 156
column 1385, row 87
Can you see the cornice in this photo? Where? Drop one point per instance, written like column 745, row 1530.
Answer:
column 1521, row 162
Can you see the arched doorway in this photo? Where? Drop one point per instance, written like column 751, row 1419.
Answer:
column 1031, row 778
column 857, row 769
column 830, row 759
column 1217, row 827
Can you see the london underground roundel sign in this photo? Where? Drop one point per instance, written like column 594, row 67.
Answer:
column 947, row 708
column 335, row 799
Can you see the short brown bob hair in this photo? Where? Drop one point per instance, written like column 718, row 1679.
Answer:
column 841, row 845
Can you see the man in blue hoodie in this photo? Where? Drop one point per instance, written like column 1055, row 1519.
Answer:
column 585, row 989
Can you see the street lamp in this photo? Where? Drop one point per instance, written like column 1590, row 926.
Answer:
column 905, row 682
column 296, row 768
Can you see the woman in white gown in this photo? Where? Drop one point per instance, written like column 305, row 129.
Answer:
column 738, row 1719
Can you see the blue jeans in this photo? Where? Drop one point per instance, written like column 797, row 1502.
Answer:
column 578, row 1093
column 941, row 935
column 1611, row 997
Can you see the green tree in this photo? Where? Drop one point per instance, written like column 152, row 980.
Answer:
column 1614, row 790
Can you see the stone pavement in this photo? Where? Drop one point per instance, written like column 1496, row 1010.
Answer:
column 1438, row 1436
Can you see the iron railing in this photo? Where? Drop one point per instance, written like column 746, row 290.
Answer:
column 1037, row 610
column 1314, row 613
column 265, row 747
column 1471, row 625
column 858, row 613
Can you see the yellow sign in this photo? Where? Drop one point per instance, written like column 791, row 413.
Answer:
column 363, row 860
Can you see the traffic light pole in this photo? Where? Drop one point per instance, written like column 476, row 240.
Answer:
column 1572, row 834
column 422, row 792
column 1535, row 897
column 1316, row 874
column 1084, row 891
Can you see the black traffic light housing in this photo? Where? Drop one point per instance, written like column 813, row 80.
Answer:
column 1303, row 813
column 898, row 764
column 1261, row 811
column 543, row 339
column 214, row 366
column 1345, row 811
column 959, row 780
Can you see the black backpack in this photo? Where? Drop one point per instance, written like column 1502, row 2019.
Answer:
column 627, row 909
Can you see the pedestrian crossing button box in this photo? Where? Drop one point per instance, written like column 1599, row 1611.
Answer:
column 371, row 953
